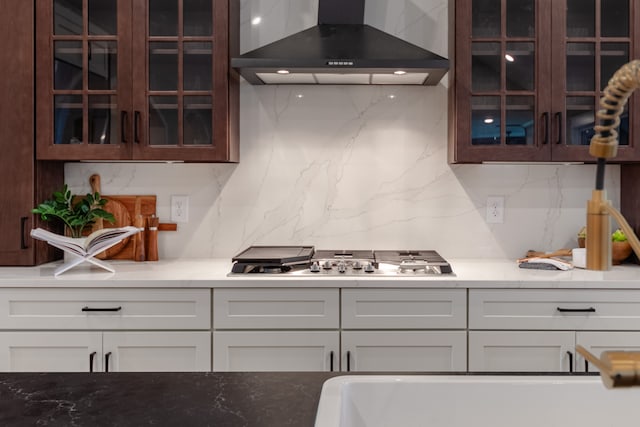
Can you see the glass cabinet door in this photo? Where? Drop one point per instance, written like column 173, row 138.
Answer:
column 505, row 120
column 174, row 111
column 598, row 40
column 83, row 77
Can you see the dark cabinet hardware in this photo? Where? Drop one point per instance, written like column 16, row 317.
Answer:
column 23, row 229
column 136, row 127
column 559, row 123
column 570, row 361
column 586, row 366
column 124, row 121
column 348, row 361
column 91, row 357
column 545, row 120
column 331, row 361
column 106, row 361
column 101, row 309
column 576, row 310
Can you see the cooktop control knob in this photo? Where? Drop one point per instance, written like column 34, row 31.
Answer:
column 342, row 267
column 315, row 267
column 368, row 267
column 357, row 265
column 327, row 265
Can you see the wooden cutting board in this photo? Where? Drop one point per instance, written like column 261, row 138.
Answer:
column 135, row 205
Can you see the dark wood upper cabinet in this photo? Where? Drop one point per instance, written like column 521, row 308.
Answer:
column 26, row 182
column 527, row 77
column 137, row 80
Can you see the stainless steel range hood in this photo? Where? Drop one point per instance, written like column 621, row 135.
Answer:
column 341, row 49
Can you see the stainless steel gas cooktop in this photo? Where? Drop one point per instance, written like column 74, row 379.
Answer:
column 305, row 260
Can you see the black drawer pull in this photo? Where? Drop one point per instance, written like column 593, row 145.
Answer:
column 331, row 361
column 23, row 241
column 101, row 309
column 576, row 310
column 570, row 361
column 348, row 361
column 91, row 357
column 106, row 361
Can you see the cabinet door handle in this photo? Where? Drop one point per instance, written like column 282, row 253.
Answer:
column 586, row 365
column 101, row 309
column 545, row 117
column 576, row 310
column 106, row 361
column 23, row 229
column 331, row 361
column 559, row 123
column 124, row 124
column 91, row 357
column 570, row 361
column 136, row 127
column 348, row 361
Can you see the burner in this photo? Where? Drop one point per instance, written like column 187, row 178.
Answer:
column 415, row 262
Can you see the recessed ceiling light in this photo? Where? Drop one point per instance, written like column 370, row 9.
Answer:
column 282, row 71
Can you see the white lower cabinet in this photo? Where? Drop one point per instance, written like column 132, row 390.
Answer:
column 275, row 350
column 103, row 330
column 408, row 351
column 410, row 330
column 105, row 352
column 537, row 330
column 276, row 329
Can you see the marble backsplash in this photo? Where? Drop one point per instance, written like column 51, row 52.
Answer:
column 348, row 167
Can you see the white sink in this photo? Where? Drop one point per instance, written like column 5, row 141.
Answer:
column 475, row 401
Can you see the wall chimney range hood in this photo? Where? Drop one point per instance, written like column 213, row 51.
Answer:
column 341, row 49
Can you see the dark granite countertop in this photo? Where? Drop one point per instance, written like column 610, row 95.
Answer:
column 233, row 399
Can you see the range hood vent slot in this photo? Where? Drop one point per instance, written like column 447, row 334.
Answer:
column 341, row 49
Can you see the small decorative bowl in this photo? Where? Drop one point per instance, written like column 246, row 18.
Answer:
column 619, row 252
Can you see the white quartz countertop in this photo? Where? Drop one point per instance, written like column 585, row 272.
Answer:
column 213, row 273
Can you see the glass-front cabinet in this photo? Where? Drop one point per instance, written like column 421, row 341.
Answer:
column 528, row 76
column 135, row 80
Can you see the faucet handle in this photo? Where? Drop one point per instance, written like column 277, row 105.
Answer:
column 617, row 368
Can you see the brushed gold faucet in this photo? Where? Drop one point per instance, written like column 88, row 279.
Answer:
column 617, row 368
column 603, row 146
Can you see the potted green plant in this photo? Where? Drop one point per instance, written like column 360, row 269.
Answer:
column 77, row 213
column 620, row 247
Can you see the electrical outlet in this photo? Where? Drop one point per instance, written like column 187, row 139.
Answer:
column 180, row 209
column 495, row 209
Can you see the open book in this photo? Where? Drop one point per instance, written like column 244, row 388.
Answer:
column 91, row 245
column 85, row 248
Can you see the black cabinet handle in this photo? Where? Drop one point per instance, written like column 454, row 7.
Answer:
column 559, row 122
column 136, row 127
column 545, row 117
column 106, row 361
column 124, row 124
column 586, row 366
column 101, row 309
column 576, row 310
column 23, row 241
column 331, row 361
column 570, row 361
column 91, row 357
column 348, row 361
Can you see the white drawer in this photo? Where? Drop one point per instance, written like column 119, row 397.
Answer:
column 404, row 308
column 276, row 308
column 87, row 309
column 554, row 309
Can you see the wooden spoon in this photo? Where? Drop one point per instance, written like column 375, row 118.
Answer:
column 120, row 213
column 559, row 252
